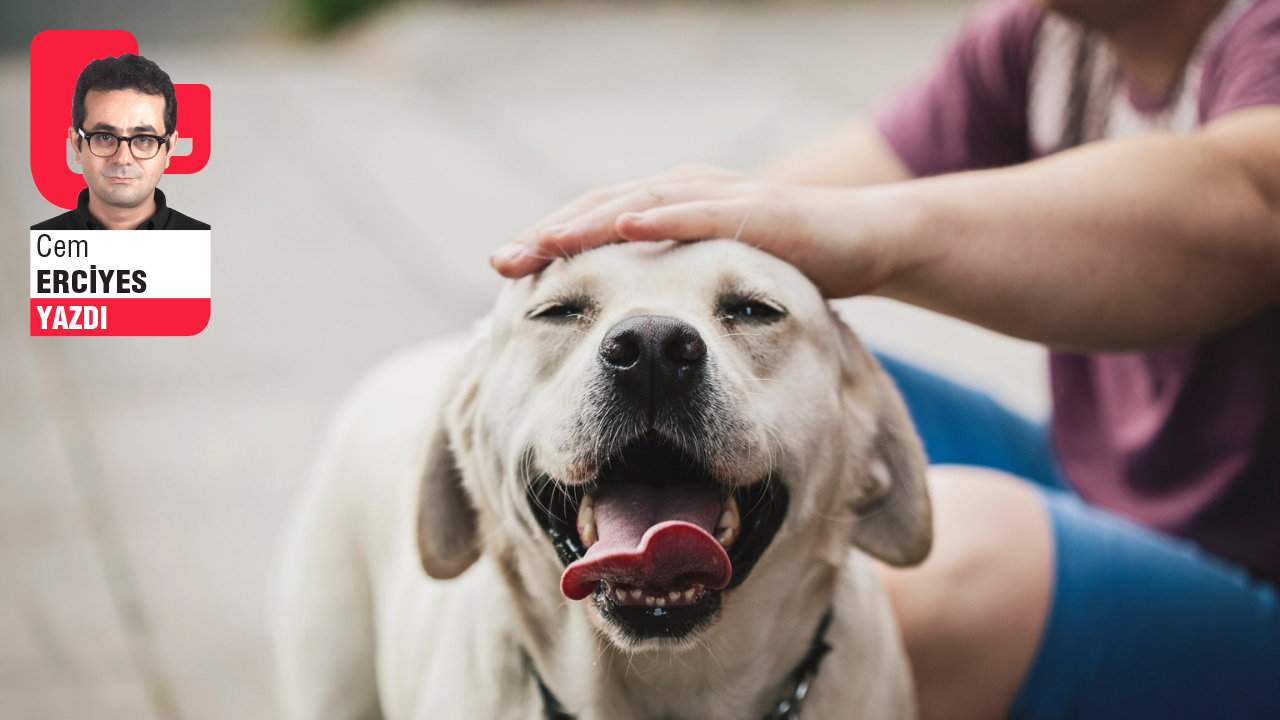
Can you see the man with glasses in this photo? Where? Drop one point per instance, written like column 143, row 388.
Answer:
column 124, row 118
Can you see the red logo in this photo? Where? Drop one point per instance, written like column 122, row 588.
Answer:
column 57, row 57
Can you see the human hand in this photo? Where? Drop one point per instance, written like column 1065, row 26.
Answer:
column 816, row 229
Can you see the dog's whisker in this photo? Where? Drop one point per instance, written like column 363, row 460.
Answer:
column 840, row 519
column 779, row 380
column 715, row 655
column 743, row 225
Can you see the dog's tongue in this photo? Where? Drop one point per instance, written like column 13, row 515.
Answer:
column 651, row 537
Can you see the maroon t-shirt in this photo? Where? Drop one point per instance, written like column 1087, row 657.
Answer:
column 1184, row 439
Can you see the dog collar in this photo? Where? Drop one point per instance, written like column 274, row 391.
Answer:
column 787, row 709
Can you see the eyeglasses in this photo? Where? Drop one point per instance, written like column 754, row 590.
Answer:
column 143, row 147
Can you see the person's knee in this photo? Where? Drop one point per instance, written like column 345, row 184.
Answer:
column 993, row 545
column 973, row 613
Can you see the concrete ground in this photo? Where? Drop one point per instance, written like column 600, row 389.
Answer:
column 355, row 189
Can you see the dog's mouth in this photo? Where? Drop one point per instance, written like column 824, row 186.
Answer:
column 656, row 538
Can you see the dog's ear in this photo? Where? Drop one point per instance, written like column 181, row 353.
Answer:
column 893, row 520
column 448, row 526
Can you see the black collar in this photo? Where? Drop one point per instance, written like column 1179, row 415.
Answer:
column 84, row 219
column 788, row 709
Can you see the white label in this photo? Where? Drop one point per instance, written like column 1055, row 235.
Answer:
column 121, row 263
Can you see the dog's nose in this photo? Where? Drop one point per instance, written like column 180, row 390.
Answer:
column 652, row 356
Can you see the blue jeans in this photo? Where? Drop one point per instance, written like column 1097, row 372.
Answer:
column 1142, row 624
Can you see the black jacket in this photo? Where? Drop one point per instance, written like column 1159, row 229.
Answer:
column 166, row 218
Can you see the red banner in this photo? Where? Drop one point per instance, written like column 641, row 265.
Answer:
column 119, row 316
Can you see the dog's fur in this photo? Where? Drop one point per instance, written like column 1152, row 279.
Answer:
column 426, row 466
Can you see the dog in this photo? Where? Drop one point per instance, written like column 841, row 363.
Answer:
column 645, row 487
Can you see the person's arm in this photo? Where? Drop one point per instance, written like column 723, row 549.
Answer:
column 968, row 113
column 853, row 155
column 1119, row 244
column 1124, row 244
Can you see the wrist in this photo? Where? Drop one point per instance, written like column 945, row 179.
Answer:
column 865, row 240
column 905, row 235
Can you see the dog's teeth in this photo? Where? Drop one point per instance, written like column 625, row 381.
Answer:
column 730, row 520
column 661, row 602
column 688, row 594
column 636, row 593
column 674, row 595
column 622, row 594
column 587, row 521
column 650, row 600
column 729, row 511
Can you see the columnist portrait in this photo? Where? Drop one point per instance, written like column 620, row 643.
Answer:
column 124, row 130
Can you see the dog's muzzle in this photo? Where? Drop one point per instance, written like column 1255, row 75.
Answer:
column 655, row 362
column 654, row 536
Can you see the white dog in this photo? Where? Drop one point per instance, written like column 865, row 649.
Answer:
column 638, row 490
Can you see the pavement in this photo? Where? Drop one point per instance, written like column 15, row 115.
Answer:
column 355, row 190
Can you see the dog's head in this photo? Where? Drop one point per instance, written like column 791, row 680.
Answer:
column 637, row 427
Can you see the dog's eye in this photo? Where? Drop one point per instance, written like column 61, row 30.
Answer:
column 558, row 311
column 752, row 310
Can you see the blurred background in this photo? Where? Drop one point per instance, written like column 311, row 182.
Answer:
column 366, row 159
